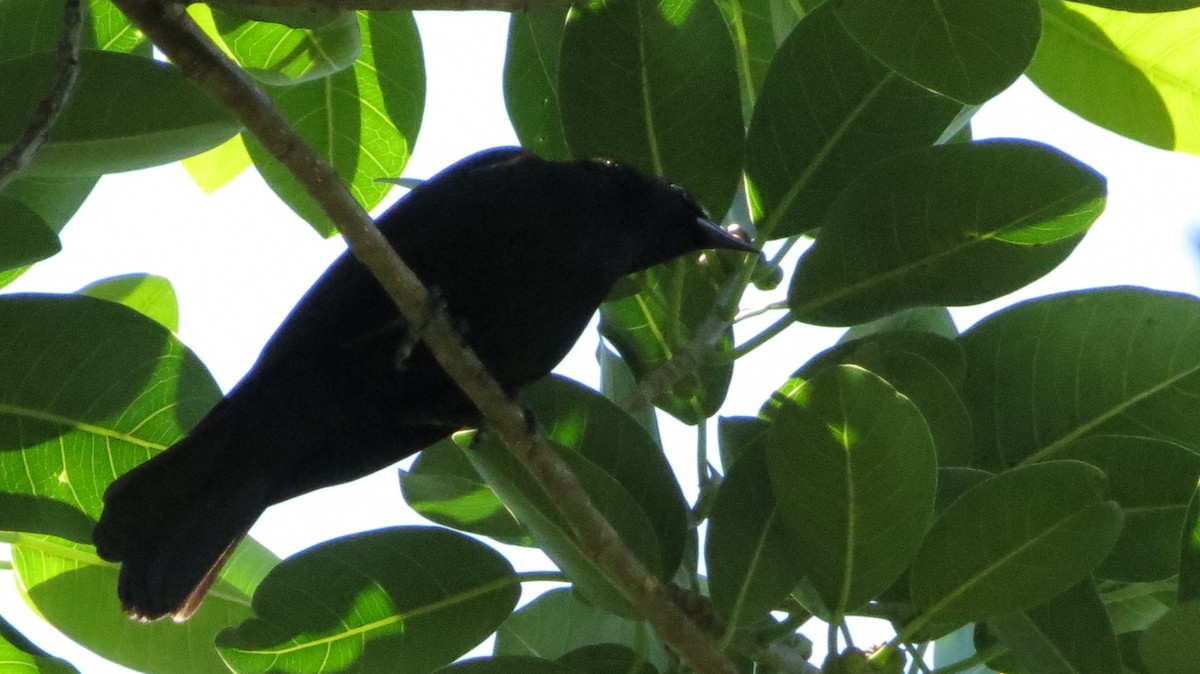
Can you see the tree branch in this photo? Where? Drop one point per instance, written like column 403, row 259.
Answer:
column 168, row 26
column 46, row 114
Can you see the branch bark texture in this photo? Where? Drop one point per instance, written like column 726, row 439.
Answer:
column 47, row 111
column 168, row 26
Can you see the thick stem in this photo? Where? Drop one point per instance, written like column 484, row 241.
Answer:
column 48, row 109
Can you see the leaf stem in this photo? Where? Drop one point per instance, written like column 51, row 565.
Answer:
column 751, row 313
column 761, row 338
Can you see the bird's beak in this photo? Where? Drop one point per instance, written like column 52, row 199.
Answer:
column 715, row 236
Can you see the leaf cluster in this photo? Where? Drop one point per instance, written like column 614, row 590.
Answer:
column 1026, row 488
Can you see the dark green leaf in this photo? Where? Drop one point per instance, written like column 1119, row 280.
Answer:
column 1012, row 542
column 94, row 389
column 992, row 215
column 402, row 599
column 1189, row 558
column 582, row 420
column 1070, row 633
column 445, row 488
column 934, row 320
column 55, row 200
column 531, row 80
column 1135, row 607
column 1153, row 480
column 736, row 436
column 149, row 295
column 607, row 659
column 954, row 482
column 25, row 237
column 538, row 514
column 966, row 50
column 922, row 366
column 126, row 113
column 19, row 656
column 362, row 120
column 827, row 112
column 750, row 553
column 854, row 473
column 753, row 29
column 1086, row 53
column 280, row 56
column 76, row 592
column 672, row 303
column 655, row 86
column 1114, row 361
column 1170, row 645
column 557, row 623
column 514, row 664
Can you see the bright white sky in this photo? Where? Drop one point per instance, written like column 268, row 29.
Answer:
column 239, row 260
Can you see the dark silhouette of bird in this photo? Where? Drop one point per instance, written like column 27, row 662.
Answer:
column 520, row 252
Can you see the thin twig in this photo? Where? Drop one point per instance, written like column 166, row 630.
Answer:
column 48, row 109
column 168, row 26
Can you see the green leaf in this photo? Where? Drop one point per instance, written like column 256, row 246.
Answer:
column 531, row 80
column 55, row 200
column 993, row 215
column 607, row 659
column 401, row 599
column 94, row 389
column 1146, row 5
column 76, row 592
column 1189, row 557
column 650, row 326
column 582, row 420
column 1068, row 633
column 934, row 320
column 1012, row 542
column 278, row 55
column 966, row 50
column 1113, row 361
column 557, row 623
column 953, row 482
column 114, row 32
column 444, row 487
column 1153, row 480
column 126, row 113
column 1170, row 645
column 362, row 120
column 926, row 368
column 214, row 169
column 515, row 664
column 1087, row 53
column 24, row 237
column 149, row 295
column 750, row 553
column 654, row 86
column 539, row 515
column 752, row 26
column 828, row 111
column 1132, row 608
column 736, row 436
column 19, row 656
column 854, row 473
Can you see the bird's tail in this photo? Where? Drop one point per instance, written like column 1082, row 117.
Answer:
column 173, row 521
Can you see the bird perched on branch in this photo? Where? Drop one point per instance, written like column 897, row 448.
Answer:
column 519, row 250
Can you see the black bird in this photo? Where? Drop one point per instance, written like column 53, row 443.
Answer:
column 521, row 251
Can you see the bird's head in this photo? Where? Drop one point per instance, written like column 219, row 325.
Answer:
column 661, row 220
